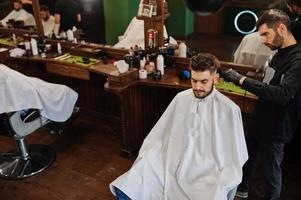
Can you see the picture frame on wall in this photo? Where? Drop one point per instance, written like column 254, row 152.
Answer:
column 146, row 10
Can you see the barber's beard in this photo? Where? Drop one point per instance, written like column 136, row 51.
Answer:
column 46, row 18
column 277, row 42
column 205, row 95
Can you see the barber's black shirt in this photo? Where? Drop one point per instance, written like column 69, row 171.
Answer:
column 296, row 28
column 279, row 109
column 68, row 10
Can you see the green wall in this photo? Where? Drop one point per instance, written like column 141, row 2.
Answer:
column 181, row 20
column 118, row 14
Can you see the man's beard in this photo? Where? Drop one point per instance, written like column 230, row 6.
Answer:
column 202, row 97
column 277, row 42
column 17, row 9
column 46, row 18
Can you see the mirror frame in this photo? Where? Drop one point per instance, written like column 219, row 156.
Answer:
column 39, row 27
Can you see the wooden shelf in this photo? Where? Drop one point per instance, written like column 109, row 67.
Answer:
column 156, row 22
column 155, row 18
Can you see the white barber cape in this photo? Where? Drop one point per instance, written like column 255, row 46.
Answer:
column 22, row 15
column 50, row 27
column 18, row 92
column 251, row 51
column 195, row 152
column 134, row 35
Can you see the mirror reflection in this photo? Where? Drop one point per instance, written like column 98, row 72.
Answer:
column 60, row 17
column 48, row 21
column 18, row 15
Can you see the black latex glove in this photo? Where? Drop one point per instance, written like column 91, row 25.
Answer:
column 231, row 76
column 220, row 71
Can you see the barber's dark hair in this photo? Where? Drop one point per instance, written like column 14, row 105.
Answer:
column 272, row 18
column 17, row 1
column 204, row 61
column 44, row 8
column 294, row 2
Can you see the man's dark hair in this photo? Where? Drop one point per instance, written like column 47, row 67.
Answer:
column 294, row 2
column 44, row 8
column 204, row 61
column 17, row 1
column 272, row 18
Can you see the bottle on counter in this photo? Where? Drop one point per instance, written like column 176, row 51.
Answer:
column 34, row 47
column 27, row 45
column 160, row 64
column 183, row 50
column 142, row 63
column 152, row 39
column 59, row 48
column 15, row 38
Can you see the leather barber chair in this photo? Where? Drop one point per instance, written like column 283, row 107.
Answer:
column 27, row 160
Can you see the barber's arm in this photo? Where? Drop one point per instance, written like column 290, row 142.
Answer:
column 57, row 18
column 79, row 21
column 281, row 94
column 79, row 18
column 56, row 28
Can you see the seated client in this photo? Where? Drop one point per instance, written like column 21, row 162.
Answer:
column 55, row 102
column 197, row 148
column 27, row 104
column 18, row 14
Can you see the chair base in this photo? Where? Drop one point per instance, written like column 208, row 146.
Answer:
column 15, row 167
column 58, row 127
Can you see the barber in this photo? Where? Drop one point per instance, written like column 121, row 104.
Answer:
column 278, row 111
column 67, row 14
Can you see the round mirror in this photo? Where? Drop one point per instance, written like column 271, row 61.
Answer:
column 204, row 7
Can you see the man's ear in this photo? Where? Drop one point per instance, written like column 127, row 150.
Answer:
column 216, row 78
column 282, row 30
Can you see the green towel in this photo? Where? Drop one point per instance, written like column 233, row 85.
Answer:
column 229, row 86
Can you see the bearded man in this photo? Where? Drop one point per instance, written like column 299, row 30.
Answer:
column 278, row 111
column 48, row 21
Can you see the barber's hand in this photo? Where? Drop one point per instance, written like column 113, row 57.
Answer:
column 220, row 71
column 232, row 76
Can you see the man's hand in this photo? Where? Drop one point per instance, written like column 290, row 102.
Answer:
column 232, row 76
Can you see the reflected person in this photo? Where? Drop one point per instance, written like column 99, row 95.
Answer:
column 18, row 14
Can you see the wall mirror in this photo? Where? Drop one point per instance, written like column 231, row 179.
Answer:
column 20, row 18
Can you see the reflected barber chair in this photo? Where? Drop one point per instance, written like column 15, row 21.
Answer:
column 27, row 160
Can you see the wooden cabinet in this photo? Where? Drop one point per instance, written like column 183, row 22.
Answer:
column 155, row 22
column 66, row 70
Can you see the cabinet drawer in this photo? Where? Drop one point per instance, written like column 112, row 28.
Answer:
column 70, row 71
